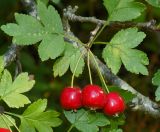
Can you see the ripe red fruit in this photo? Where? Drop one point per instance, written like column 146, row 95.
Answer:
column 93, row 97
column 114, row 104
column 4, row 130
column 70, row 98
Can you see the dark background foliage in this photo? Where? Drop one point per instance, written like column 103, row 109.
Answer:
column 49, row 87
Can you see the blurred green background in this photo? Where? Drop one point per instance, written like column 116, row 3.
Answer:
column 49, row 87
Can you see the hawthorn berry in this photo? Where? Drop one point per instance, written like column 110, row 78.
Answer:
column 114, row 104
column 4, row 130
column 93, row 97
column 70, row 98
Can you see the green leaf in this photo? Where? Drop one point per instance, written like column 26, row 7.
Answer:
column 70, row 59
column 37, row 107
column 1, row 64
column 108, row 54
column 50, row 18
column 156, row 78
column 74, row 61
column 157, row 93
column 61, row 66
column 120, row 50
column 5, row 121
column 87, row 121
column 115, row 122
column 156, row 82
column 11, row 92
column 26, row 126
column 28, row 30
column 51, row 47
column 36, row 118
column 112, row 130
column 44, row 1
column 56, row 1
column 48, row 31
column 118, row 130
column 155, row 3
column 127, row 96
column 123, row 10
column 129, row 38
column 135, row 61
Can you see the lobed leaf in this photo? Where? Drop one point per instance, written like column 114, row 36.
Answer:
column 156, row 78
column 126, row 95
column 61, row 66
column 50, row 18
column 115, row 122
column 120, row 50
column 123, row 10
column 1, row 64
column 11, row 92
column 157, row 94
column 36, row 118
column 156, row 81
column 70, row 59
column 155, row 3
column 51, row 47
column 74, row 60
column 5, row 121
column 87, row 121
column 28, row 30
column 48, row 31
column 44, row 1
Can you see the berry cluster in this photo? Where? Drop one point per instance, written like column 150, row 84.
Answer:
column 4, row 130
column 93, row 97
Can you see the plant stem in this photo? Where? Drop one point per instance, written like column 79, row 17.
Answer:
column 6, row 123
column 91, row 43
column 75, row 39
column 16, row 115
column 72, row 81
column 100, row 74
column 12, row 123
column 101, row 43
column 70, row 128
column 89, row 69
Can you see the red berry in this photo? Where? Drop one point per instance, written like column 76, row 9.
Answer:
column 71, row 98
column 114, row 104
column 93, row 97
column 4, row 130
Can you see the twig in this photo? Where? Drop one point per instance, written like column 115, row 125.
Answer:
column 69, row 13
column 18, row 69
column 30, row 6
column 93, row 34
column 10, row 55
column 150, row 25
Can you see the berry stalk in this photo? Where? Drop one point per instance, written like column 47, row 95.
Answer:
column 6, row 123
column 100, row 74
column 89, row 69
column 72, row 81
